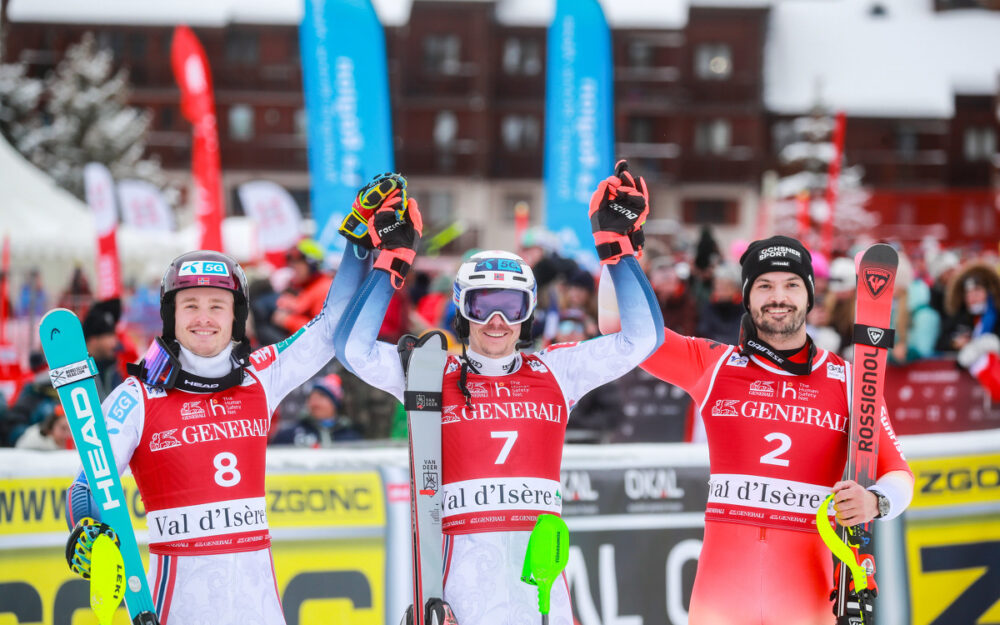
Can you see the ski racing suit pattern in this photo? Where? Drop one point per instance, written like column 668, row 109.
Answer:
column 198, row 460
column 483, row 561
column 777, row 443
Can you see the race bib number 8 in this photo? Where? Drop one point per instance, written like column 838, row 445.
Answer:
column 226, row 473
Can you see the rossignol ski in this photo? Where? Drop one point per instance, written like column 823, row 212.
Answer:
column 873, row 338
column 423, row 361
column 72, row 371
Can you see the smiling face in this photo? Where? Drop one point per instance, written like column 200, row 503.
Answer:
column 203, row 319
column 495, row 338
column 778, row 302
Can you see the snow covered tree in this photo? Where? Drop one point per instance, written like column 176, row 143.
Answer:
column 86, row 118
column 19, row 98
column 806, row 152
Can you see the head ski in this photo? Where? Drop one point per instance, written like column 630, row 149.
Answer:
column 72, row 371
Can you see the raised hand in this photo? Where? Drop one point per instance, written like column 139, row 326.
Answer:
column 370, row 197
column 618, row 209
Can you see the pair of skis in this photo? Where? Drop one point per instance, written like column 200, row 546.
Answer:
column 72, row 371
column 873, row 338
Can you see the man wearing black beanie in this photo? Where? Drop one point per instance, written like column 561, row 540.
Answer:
column 774, row 411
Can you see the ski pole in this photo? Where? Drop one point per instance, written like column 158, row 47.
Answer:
column 546, row 557
column 107, row 579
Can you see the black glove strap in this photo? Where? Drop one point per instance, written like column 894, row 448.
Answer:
column 609, row 250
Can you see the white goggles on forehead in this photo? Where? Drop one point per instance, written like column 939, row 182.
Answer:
column 479, row 305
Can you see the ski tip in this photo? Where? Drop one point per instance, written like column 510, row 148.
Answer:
column 429, row 338
column 878, row 254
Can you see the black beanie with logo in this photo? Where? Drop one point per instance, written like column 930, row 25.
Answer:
column 777, row 253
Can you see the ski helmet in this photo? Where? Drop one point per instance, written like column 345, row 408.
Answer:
column 205, row 268
column 489, row 272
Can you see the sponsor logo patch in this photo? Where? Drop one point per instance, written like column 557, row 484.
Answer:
column 725, row 408
column 263, row 357
column 163, row 440
column 203, row 268
column 836, row 372
column 122, row 407
column 762, row 388
column 737, row 360
column 192, row 410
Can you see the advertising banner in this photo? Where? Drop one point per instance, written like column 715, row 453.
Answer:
column 100, row 191
column 193, row 76
column 345, row 78
column 635, row 536
column 579, row 117
column 329, row 548
column 937, row 396
column 143, row 206
column 953, row 540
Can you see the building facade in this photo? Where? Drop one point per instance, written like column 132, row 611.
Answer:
column 468, row 97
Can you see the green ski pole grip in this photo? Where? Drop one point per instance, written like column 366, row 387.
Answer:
column 546, row 557
column 838, row 547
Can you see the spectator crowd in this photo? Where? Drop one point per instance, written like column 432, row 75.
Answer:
column 945, row 306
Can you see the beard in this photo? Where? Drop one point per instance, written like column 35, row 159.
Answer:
column 792, row 323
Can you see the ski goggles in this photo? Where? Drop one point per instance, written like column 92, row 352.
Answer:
column 479, row 305
column 159, row 367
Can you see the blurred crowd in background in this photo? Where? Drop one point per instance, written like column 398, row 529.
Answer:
column 945, row 306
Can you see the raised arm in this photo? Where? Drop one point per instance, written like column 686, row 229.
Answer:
column 395, row 231
column 288, row 364
column 589, row 364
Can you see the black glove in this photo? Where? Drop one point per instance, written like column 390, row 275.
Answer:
column 395, row 230
column 618, row 208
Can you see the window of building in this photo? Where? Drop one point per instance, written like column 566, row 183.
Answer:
column 710, row 211
column 442, row 54
column 640, row 130
column 241, row 127
column 521, row 57
column 712, row 137
column 300, row 123
column 436, row 208
column 242, row 46
column 979, row 143
column 520, row 133
column 445, row 130
column 713, row 61
column 165, row 114
column 906, row 143
column 640, row 54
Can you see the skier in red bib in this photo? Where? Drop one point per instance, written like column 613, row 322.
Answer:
column 504, row 411
column 192, row 424
column 775, row 410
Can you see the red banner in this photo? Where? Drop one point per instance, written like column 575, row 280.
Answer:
column 832, row 182
column 99, row 188
column 194, row 78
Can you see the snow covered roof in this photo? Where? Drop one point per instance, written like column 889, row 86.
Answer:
column 620, row 13
column 909, row 62
column 191, row 12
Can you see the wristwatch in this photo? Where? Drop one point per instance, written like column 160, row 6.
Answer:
column 883, row 504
